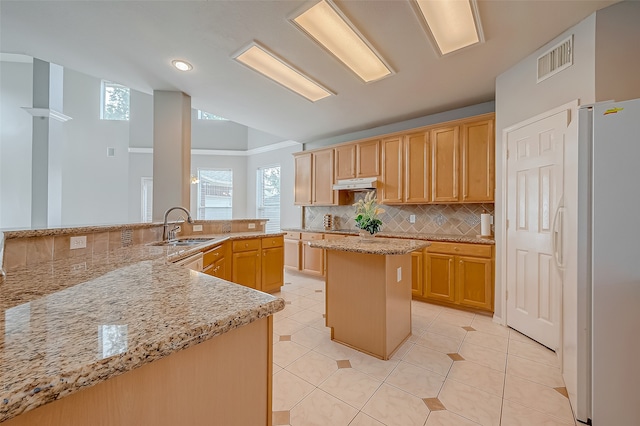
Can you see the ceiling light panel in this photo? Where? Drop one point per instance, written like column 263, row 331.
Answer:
column 328, row 26
column 452, row 24
column 266, row 63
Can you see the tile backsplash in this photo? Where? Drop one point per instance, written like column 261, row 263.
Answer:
column 453, row 219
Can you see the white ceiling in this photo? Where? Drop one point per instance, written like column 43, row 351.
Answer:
column 133, row 43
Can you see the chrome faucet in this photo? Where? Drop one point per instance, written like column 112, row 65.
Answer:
column 171, row 235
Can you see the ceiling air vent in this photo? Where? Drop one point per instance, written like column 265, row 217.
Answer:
column 555, row 59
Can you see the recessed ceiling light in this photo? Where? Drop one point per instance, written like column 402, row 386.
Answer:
column 266, row 63
column 451, row 25
column 182, row 65
column 328, row 26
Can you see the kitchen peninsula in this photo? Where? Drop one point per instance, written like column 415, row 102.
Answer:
column 368, row 287
column 128, row 337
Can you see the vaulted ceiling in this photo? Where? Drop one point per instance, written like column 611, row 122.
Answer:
column 134, row 42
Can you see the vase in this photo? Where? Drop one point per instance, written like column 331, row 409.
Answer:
column 366, row 236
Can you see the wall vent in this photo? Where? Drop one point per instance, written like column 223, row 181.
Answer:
column 555, row 59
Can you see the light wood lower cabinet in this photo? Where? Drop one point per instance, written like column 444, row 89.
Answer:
column 312, row 260
column 456, row 274
column 258, row 263
column 217, row 261
column 292, row 252
column 416, row 273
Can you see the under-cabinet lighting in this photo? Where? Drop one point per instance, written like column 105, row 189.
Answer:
column 269, row 65
column 451, row 24
column 327, row 25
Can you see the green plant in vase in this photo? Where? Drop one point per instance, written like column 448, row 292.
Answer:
column 367, row 212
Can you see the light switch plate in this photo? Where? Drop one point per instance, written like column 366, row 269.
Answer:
column 412, row 218
column 399, row 274
column 252, row 226
column 78, row 242
column 197, row 228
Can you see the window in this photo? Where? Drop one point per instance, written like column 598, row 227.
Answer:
column 268, row 191
column 203, row 115
column 147, row 199
column 115, row 101
column 215, row 193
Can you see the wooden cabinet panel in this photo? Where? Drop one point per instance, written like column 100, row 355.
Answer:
column 440, row 277
column 416, row 273
column 246, row 245
column 368, row 159
column 292, row 254
column 460, row 249
column 247, row 268
column 220, row 268
column 312, row 260
column 478, row 161
column 322, row 189
column 346, row 161
column 272, row 271
column 391, row 171
column 475, row 277
column 302, row 187
column 445, row 151
column 416, row 165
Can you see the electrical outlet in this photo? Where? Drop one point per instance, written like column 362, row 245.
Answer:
column 412, row 218
column 197, row 228
column 78, row 242
column 252, row 226
column 399, row 274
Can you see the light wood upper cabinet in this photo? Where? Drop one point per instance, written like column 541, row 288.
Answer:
column 478, row 161
column 322, row 177
column 302, row 189
column 346, row 161
column 391, row 170
column 368, row 159
column 445, row 153
column 416, row 168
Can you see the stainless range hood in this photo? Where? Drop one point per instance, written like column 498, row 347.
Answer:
column 359, row 184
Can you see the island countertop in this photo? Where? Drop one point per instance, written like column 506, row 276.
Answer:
column 451, row 238
column 382, row 246
column 72, row 323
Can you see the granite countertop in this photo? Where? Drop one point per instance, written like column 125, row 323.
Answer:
column 72, row 323
column 382, row 246
column 413, row 236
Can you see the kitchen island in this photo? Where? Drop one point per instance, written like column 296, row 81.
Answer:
column 126, row 337
column 368, row 291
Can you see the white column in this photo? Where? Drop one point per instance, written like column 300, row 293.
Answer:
column 171, row 151
column 46, row 157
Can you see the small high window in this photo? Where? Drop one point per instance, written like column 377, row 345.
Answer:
column 115, row 101
column 203, row 115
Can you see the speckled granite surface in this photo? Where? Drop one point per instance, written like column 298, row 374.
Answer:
column 382, row 246
column 72, row 323
column 428, row 237
column 27, row 233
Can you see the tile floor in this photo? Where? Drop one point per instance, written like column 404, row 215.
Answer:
column 457, row 368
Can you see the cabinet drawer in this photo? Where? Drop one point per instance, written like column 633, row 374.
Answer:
column 309, row 236
column 213, row 255
column 272, row 242
column 246, row 245
column 460, row 249
column 292, row 235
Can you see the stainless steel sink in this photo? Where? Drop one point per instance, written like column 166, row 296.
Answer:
column 184, row 242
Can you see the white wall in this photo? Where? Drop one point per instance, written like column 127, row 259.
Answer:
column 290, row 215
column 518, row 98
column 94, row 187
column 217, row 134
column 16, row 82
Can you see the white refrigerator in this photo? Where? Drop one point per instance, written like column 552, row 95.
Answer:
column 609, row 264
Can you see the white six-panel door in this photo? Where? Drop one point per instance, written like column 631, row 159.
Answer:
column 535, row 156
